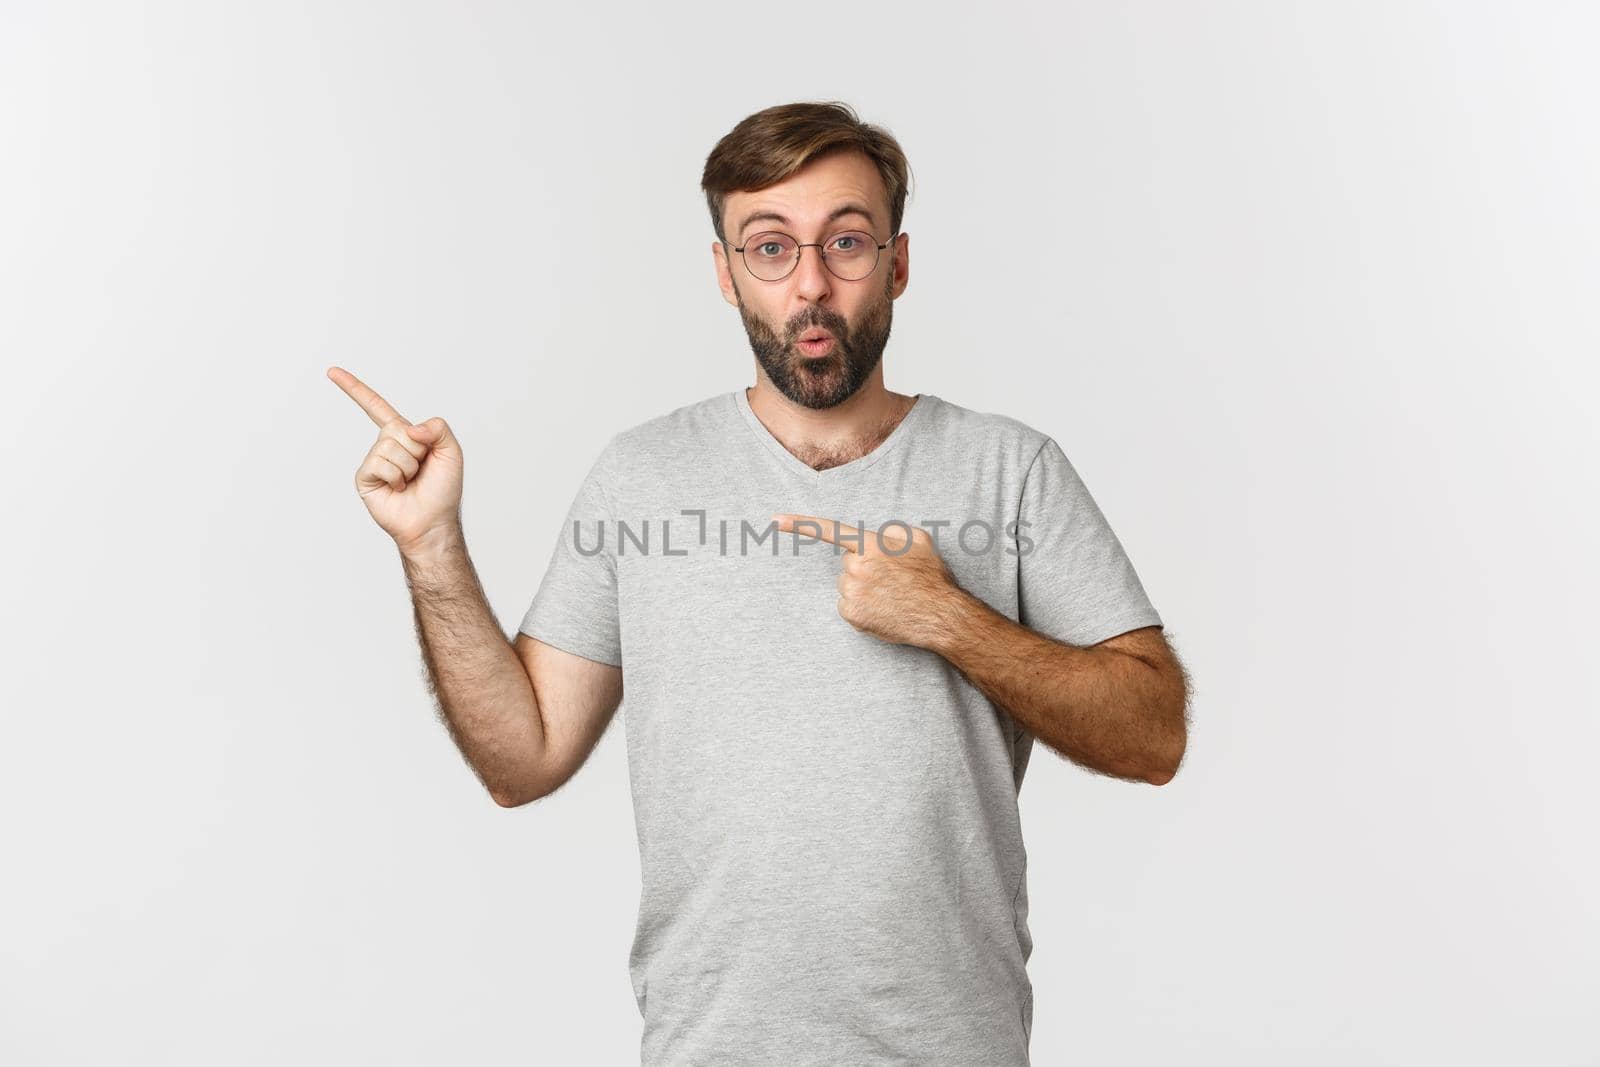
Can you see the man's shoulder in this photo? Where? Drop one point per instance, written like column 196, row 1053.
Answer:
column 674, row 429
column 675, row 445
column 984, row 432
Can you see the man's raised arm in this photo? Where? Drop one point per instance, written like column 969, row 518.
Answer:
column 524, row 718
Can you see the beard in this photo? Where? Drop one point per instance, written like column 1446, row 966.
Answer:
column 821, row 381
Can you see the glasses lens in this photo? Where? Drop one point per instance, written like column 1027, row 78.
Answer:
column 851, row 255
column 770, row 255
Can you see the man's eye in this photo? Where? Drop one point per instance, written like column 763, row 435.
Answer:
column 771, row 248
column 845, row 244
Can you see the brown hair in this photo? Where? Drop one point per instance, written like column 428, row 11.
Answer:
column 768, row 146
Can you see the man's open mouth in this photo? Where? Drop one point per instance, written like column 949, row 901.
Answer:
column 815, row 342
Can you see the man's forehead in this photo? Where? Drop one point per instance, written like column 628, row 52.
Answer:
column 820, row 193
column 853, row 209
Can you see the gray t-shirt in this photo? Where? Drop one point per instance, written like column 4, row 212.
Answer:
column 831, row 856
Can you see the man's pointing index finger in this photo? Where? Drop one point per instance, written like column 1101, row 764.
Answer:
column 835, row 533
column 376, row 407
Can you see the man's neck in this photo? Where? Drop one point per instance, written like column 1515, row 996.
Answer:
column 830, row 437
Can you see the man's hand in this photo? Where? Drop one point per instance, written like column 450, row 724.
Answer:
column 411, row 477
column 898, row 593
column 1117, row 707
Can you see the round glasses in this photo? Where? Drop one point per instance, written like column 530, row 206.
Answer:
column 849, row 256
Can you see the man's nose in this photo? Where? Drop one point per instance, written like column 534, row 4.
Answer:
column 811, row 275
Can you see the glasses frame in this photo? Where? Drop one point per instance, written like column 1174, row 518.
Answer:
column 821, row 251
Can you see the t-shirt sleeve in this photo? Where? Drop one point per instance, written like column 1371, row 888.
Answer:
column 575, row 607
column 1075, row 583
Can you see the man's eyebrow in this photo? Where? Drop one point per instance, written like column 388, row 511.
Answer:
column 773, row 216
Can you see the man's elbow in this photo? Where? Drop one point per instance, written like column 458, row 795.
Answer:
column 1168, row 756
column 519, row 794
column 1165, row 767
column 519, row 798
column 507, row 800
column 1162, row 775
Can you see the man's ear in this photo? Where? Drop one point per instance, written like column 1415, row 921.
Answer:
column 719, row 257
column 901, row 276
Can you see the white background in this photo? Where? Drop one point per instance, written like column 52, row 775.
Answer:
column 1306, row 291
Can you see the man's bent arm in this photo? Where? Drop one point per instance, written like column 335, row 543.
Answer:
column 486, row 698
column 1117, row 707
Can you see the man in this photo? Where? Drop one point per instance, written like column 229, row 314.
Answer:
column 843, row 615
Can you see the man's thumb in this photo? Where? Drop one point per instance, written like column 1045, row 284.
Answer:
column 434, row 431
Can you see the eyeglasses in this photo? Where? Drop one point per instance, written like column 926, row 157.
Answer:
column 849, row 256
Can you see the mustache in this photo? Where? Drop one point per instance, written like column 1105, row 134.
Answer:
column 839, row 329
